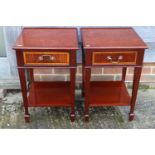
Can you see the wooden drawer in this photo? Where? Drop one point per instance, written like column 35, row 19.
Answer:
column 46, row 58
column 114, row 58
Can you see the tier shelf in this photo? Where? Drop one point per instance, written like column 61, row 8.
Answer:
column 108, row 93
column 49, row 94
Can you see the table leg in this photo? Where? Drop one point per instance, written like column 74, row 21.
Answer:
column 83, row 93
column 124, row 69
column 137, row 74
column 31, row 77
column 72, row 89
column 87, row 75
column 83, row 64
column 22, row 77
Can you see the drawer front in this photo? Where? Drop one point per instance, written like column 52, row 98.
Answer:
column 114, row 58
column 46, row 58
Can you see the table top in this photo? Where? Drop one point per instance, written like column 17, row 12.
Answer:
column 47, row 38
column 111, row 38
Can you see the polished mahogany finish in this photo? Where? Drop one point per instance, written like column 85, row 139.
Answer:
column 48, row 94
column 111, row 38
column 47, row 47
column 47, row 38
column 106, row 58
column 111, row 47
column 46, row 58
column 108, row 93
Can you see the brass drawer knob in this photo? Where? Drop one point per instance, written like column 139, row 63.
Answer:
column 109, row 58
column 46, row 57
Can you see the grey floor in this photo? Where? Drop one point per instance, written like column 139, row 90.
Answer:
column 11, row 114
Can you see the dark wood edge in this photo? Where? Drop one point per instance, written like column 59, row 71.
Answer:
column 42, row 48
column 112, row 66
column 46, row 67
column 49, row 27
column 116, row 47
column 106, row 27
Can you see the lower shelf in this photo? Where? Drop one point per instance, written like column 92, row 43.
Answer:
column 108, row 93
column 49, row 94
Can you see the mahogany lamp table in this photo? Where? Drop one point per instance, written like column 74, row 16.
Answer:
column 47, row 48
column 111, row 47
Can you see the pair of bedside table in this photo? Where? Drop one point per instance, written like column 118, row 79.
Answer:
column 56, row 47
